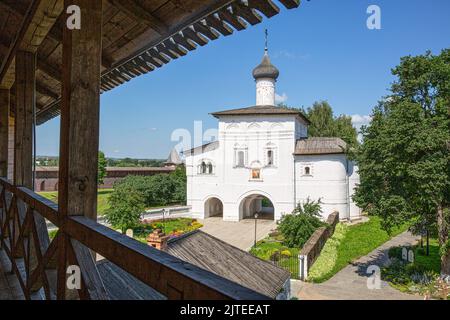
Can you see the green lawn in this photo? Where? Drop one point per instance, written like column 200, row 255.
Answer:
column 347, row 244
column 102, row 199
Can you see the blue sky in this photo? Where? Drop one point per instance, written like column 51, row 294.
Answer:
column 324, row 52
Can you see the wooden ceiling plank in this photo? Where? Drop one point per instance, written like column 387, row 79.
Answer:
column 43, row 20
column 50, row 70
column 247, row 13
column 267, row 7
column 219, row 25
column 42, row 89
column 136, row 11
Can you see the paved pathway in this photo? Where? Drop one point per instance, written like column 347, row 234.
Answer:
column 351, row 282
column 239, row 234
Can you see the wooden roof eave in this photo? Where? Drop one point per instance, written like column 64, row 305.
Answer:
column 173, row 41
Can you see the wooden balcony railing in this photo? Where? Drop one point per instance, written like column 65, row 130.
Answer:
column 40, row 264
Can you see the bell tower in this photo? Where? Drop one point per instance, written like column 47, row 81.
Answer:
column 265, row 75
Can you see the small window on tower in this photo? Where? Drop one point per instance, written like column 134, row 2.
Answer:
column 307, row 171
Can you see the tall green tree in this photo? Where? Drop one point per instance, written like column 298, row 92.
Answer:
column 101, row 167
column 404, row 161
column 325, row 124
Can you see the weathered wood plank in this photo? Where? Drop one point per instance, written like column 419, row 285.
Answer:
column 167, row 274
column 25, row 104
column 4, row 126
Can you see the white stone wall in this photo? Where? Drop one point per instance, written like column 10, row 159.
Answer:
column 327, row 180
column 283, row 183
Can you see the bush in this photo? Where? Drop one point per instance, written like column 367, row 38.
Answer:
column 298, row 227
column 286, row 253
column 160, row 189
column 126, row 206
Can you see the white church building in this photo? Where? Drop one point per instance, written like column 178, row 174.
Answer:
column 264, row 162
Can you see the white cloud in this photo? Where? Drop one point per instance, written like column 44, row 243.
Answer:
column 360, row 120
column 280, row 98
column 290, row 55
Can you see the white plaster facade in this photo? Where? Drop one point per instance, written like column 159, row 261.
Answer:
column 255, row 156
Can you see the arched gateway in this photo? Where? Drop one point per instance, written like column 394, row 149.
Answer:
column 213, row 207
column 256, row 203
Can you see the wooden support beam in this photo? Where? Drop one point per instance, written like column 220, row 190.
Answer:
column 4, row 126
column 290, row 4
column 25, row 104
column 134, row 10
column 79, row 137
column 80, row 113
column 267, row 7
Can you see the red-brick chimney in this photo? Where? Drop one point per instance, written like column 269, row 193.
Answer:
column 158, row 239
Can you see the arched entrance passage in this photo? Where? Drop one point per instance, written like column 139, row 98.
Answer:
column 256, row 203
column 213, row 207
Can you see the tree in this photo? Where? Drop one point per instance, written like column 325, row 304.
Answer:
column 299, row 226
column 101, row 167
column 126, row 204
column 404, row 161
column 325, row 124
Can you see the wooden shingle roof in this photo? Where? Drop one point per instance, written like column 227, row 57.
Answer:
column 320, row 145
column 221, row 258
column 262, row 110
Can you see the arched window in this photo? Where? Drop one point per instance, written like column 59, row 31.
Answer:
column 270, row 157
column 203, row 167
column 241, row 159
column 307, row 170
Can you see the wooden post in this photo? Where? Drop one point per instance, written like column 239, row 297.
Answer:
column 79, row 138
column 78, row 161
column 4, row 126
column 25, row 103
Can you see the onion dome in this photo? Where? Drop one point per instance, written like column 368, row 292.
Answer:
column 266, row 69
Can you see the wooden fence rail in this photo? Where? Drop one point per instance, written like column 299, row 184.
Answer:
column 41, row 264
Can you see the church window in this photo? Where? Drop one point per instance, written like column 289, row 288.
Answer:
column 241, row 159
column 270, row 157
column 205, row 167
column 307, row 170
